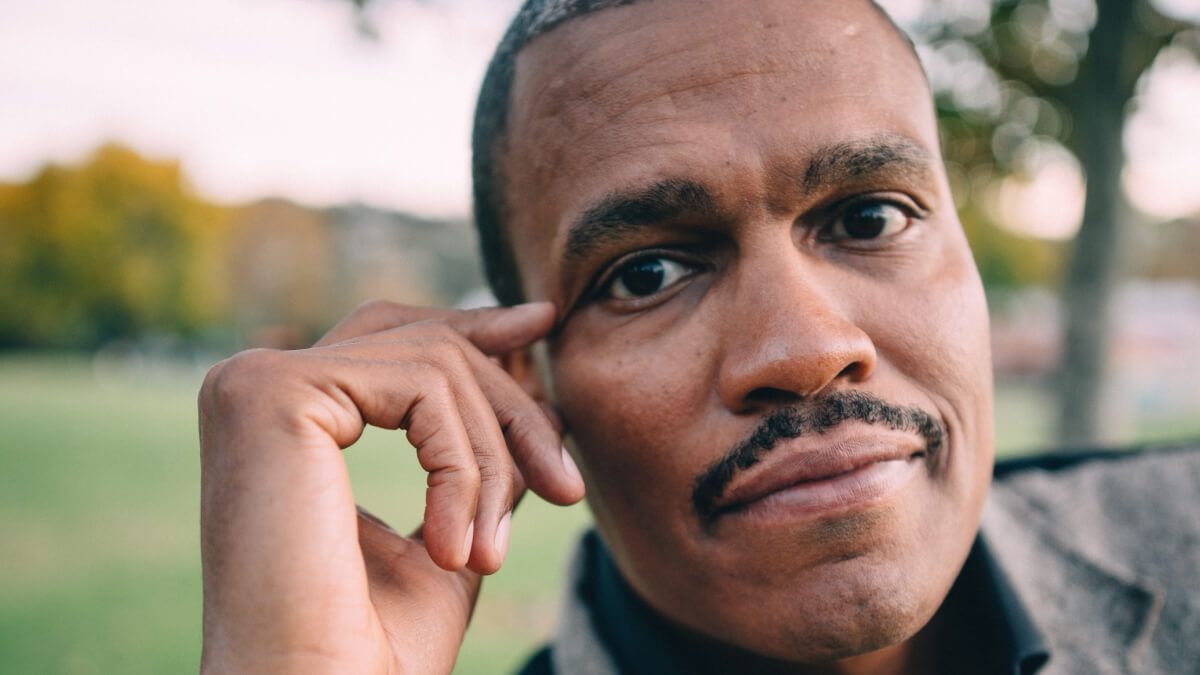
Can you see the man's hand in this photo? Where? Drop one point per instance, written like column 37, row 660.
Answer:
column 296, row 579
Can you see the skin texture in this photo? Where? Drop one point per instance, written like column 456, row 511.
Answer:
column 759, row 128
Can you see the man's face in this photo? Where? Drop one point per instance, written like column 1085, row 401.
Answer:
column 740, row 210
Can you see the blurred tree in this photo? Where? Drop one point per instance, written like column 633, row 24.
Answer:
column 280, row 260
column 113, row 248
column 1011, row 75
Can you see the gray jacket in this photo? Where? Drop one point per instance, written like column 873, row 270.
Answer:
column 1104, row 554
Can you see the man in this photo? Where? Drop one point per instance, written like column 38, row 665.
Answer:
column 754, row 313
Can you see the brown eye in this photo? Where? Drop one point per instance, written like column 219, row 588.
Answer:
column 646, row 276
column 870, row 221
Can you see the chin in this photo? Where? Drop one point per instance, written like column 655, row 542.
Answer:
column 840, row 610
column 871, row 616
column 825, row 591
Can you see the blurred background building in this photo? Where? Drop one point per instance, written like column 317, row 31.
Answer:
column 180, row 180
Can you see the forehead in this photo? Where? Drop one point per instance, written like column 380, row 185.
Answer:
column 731, row 94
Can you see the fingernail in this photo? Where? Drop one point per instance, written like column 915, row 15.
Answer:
column 502, row 534
column 569, row 465
column 467, row 541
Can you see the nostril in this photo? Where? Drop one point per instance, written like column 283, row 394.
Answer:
column 772, row 397
column 853, row 372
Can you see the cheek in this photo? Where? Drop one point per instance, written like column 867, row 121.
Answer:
column 635, row 408
column 939, row 339
column 940, row 343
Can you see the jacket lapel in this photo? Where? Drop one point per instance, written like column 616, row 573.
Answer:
column 1096, row 615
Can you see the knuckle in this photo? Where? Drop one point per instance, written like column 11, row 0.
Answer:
column 463, row 479
column 240, row 375
column 439, row 384
column 439, row 328
column 376, row 306
column 522, row 433
column 445, row 347
column 496, row 471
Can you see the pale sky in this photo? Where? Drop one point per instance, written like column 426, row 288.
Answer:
column 256, row 97
column 283, row 97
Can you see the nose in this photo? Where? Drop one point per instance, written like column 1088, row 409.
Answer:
column 790, row 337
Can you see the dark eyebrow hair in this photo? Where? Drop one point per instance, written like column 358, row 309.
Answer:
column 855, row 159
column 622, row 212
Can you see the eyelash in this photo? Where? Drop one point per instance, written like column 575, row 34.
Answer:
column 604, row 283
column 602, row 286
column 906, row 205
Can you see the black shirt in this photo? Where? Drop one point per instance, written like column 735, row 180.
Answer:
column 992, row 629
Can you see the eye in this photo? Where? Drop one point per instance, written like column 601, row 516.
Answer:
column 645, row 276
column 870, row 220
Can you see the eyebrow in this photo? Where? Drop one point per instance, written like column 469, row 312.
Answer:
column 624, row 212
column 855, row 159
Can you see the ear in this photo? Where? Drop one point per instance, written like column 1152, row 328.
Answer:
column 530, row 367
column 522, row 367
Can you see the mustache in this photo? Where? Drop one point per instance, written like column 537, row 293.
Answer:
column 811, row 417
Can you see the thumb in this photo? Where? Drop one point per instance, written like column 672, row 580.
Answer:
column 423, row 608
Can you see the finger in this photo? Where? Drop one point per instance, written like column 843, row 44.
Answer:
column 500, row 330
column 445, row 350
column 554, row 416
column 387, row 553
column 442, row 365
column 436, row 429
column 497, row 329
column 404, row 584
column 375, row 316
column 529, row 433
column 496, row 469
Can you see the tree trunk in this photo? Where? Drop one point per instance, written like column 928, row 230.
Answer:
column 1101, row 94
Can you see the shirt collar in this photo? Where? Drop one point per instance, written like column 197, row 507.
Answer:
column 991, row 618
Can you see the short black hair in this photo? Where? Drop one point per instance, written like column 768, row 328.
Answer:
column 533, row 19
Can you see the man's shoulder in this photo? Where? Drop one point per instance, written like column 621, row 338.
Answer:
column 1102, row 547
column 1133, row 500
column 1125, row 481
column 1069, row 463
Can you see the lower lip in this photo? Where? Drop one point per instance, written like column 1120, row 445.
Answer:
column 845, row 493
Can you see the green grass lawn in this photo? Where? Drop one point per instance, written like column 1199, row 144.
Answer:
column 99, row 489
column 98, row 516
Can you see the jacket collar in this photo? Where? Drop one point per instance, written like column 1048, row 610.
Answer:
column 1096, row 615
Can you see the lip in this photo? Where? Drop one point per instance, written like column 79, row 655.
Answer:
column 823, row 475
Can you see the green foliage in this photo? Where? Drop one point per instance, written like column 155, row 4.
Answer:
column 1014, row 77
column 1008, row 260
column 115, row 247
